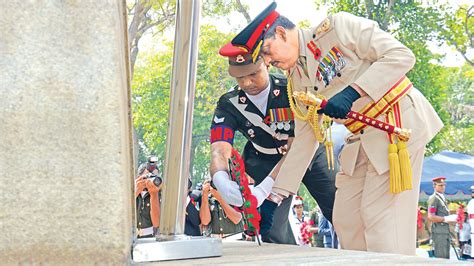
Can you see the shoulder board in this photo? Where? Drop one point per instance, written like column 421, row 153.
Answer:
column 235, row 88
column 230, row 93
column 282, row 81
column 324, row 27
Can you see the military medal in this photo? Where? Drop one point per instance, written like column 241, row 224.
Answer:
column 273, row 126
column 276, row 92
column 280, row 125
column 287, row 126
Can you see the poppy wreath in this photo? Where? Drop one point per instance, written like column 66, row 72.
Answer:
column 249, row 208
column 306, row 234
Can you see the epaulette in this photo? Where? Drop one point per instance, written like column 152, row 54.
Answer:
column 325, row 26
column 279, row 79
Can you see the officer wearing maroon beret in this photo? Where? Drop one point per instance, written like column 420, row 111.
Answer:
column 258, row 107
column 438, row 214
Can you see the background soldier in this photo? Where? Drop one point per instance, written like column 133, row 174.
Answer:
column 354, row 64
column 259, row 108
column 438, row 214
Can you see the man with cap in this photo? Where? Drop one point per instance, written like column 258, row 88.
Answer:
column 258, row 107
column 355, row 66
column 470, row 213
column 438, row 214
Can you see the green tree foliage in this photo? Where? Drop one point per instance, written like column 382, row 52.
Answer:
column 417, row 24
column 458, row 31
column 151, row 97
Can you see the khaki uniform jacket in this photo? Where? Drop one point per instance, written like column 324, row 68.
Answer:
column 372, row 59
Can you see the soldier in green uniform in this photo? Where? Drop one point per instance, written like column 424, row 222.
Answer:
column 438, row 214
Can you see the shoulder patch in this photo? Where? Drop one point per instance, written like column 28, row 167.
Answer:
column 325, row 26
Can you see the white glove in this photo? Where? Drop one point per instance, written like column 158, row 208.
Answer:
column 451, row 218
column 263, row 189
column 228, row 189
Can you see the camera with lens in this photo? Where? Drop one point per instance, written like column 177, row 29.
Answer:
column 155, row 178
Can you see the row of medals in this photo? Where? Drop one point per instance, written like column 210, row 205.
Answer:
column 281, row 125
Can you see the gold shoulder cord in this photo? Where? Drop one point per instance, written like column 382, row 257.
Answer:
column 311, row 117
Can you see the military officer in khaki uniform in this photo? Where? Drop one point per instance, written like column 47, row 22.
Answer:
column 354, row 64
column 438, row 214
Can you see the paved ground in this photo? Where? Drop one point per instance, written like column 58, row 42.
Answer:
column 249, row 253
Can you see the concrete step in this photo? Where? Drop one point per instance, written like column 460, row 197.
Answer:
column 249, row 253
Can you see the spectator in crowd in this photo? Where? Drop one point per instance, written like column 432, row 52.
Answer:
column 192, row 226
column 327, row 230
column 422, row 227
column 463, row 236
column 318, row 239
column 147, row 187
column 300, row 227
column 217, row 216
column 470, row 214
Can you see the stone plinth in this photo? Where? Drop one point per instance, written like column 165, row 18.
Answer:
column 65, row 138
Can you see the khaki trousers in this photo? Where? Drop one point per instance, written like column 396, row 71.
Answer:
column 368, row 217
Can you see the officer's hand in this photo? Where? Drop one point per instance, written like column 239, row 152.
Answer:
column 216, row 194
column 140, row 184
column 340, row 104
column 152, row 188
column 205, row 189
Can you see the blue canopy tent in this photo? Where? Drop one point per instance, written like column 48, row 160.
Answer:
column 458, row 169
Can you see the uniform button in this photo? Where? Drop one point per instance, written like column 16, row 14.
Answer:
column 339, row 74
column 362, row 131
column 314, row 36
column 277, row 81
column 222, row 229
column 220, row 219
column 316, row 88
column 139, row 223
column 148, row 204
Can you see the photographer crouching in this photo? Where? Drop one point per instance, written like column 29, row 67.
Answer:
column 147, row 187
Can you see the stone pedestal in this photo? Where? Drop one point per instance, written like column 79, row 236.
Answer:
column 66, row 172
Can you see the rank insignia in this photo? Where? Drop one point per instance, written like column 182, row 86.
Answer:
column 242, row 99
column 324, row 26
column 276, row 92
column 218, row 120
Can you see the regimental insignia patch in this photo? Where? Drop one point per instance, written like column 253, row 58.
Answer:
column 324, row 26
column 331, row 66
